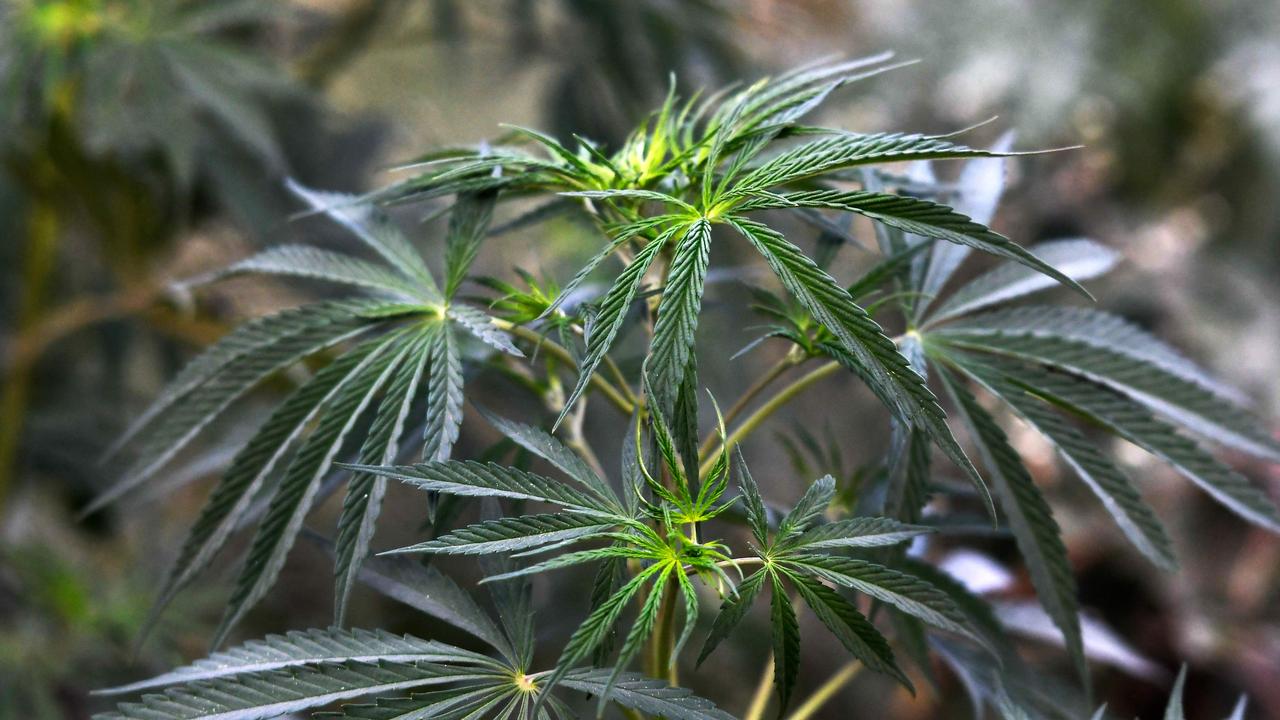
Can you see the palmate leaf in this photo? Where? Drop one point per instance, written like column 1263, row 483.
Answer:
column 909, row 594
column 547, row 447
column 374, row 229
column 653, row 697
column 193, row 410
column 846, row 150
column 276, row 693
column 1188, row 404
column 292, row 499
column 925, row 219
column 673, row 334
column 888, row 373
column 363, row 501
column 304, row 261
column 1131, row 421
column 850, row 627
column 468, row 223
column 481, row 326
column 526, row 532
column 604, row 326
column 1078, row 259
column 474, row 479
column 1121, row 498
column 430, row 591
column 858, row 532
column 1037, row 534
column 444, row 395
column 231, row 498
column 309, row 647
column 786, row 639
column 245, row 340
column 732, row 610
column 1094, row 327
column 980, row 186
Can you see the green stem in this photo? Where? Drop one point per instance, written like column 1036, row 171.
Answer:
column 828, row 690
column 777, row 401
column 555, row 350
column 760, row 698
column 786, row 363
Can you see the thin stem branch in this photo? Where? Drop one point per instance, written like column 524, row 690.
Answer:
column 828, row 690
column 777, row 401
column 786, row 363
column 552, row 348
column 760, row 698
column 620, row 379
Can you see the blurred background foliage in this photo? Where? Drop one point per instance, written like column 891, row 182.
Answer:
column 143, row 141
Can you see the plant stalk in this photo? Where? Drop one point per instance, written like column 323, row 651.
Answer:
column 823, row 695
column 760, row 698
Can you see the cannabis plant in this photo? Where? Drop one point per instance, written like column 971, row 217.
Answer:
column 682, row 530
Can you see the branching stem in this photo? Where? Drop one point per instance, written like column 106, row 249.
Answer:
column 783, row 396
